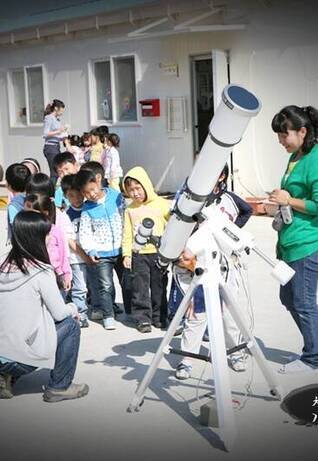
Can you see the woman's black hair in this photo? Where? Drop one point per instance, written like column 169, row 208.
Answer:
column 51, row 106
column 29, row 231
column 43, row 204
column 40, row 183
column 294, row 118
column 114, row 139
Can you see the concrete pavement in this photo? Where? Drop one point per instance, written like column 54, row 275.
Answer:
column 98, row 427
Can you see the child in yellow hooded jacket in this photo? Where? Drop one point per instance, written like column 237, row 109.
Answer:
column 148, row 298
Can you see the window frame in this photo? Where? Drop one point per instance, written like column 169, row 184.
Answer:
column 12, row 115
column 92, row 91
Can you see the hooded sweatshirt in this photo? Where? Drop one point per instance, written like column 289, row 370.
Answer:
column 29, row 306
column 154, row 207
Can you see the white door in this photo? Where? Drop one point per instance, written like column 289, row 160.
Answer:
column 220, row 74
column 221, row 78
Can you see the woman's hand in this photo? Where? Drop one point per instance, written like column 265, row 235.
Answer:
column 127, row 262
column 280, row 196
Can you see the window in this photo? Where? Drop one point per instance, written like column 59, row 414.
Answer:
column 26, row 96
column 103, row 90
column 113, row 85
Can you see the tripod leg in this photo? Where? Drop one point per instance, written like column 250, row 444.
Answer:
column 232, row 305
column 142, row 387
column 219, row 358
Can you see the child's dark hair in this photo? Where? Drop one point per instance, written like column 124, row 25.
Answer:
column 84, row 177
column 43, row 204
column 40, row 183
column 114, row 139
column 29, row 231
column 17, row 176
column 96, row 132
column 129, row 180
column 51, row 106
column 103, row 130
column 294, row 118
column 64, row 157
column 75, row 140
column 85, row 137
column 1, row 173
column 33, row 161
column 95, row 167
column 69, row 183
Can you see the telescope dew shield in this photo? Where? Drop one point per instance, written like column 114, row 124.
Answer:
column 226, row 129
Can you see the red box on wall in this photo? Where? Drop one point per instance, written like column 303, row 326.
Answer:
column 150, row 107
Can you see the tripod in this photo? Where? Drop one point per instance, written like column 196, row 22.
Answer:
column 207, row 273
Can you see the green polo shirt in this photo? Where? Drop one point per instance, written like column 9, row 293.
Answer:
column 300, row 238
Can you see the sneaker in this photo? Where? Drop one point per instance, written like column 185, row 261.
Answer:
column 109, row 323
column 183, row 371
column 96, row 315
column 84, row 322
column 297, row 366
column 238, row 363
column 74, row 391
column 144, row 327
column 6, row 387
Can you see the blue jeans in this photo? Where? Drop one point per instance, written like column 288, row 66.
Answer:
column 68, row 339
column 299, row 296
column 79, row 288
column 102, row 276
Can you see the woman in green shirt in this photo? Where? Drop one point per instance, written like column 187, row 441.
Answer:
column 297, row 130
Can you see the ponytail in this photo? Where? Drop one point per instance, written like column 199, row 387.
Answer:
column 51, row 106
column 294, row 118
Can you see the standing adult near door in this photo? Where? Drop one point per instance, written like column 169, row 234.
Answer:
column 53, row 133
column 297, row 130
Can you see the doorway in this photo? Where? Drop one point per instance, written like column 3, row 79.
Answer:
column 202, row 98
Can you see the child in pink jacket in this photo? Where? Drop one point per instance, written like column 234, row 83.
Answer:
column 57, row 245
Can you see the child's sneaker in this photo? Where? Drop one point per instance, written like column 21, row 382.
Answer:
column 238, row 363
column 109, row 323
column 183, row 371
column 6, row 386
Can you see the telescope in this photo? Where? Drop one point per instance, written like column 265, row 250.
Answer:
column 226, row 129
column 215, row 236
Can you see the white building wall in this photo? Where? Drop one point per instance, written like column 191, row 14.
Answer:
column 276, row 57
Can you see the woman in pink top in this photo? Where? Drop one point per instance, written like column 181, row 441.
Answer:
column 57, row 244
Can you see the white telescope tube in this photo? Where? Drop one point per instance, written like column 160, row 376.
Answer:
column 231, row 118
